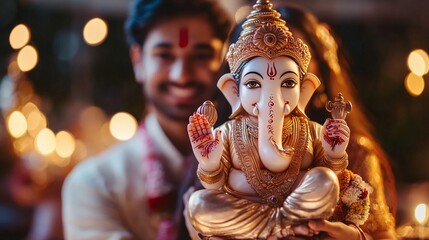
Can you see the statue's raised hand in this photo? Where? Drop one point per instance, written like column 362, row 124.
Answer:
column 336, row 135
column 206, row 143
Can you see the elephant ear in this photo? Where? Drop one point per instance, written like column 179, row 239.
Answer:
column 308, row 86
column 229, row 88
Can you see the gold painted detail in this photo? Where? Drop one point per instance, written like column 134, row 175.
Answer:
column 266, row 35
column 271, row 187
column 209, row 177
column 336, row 164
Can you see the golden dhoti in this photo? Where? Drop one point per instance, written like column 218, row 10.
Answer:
column 216, row 213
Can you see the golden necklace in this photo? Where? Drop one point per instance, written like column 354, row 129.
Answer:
column 272, row 187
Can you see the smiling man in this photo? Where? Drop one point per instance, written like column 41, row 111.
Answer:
column 132, row 191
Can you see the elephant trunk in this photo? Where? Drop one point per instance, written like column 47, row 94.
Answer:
column 271, row 113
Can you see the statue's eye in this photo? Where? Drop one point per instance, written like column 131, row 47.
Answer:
column 251, row 84
column 289, row 83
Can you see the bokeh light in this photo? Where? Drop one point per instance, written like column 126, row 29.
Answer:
column 414, row 84
column 17, row 124
column 241, row 13
column 28, row 108
column 123, row 126
column 60, row 161
column 45, row 141
column 418, row 62
column 81, row 151
column 91, row 117
column 65, row 143
column 105, row 135
column 95, row 31
column 19, row 36
column 27, row 58
column 36, row 122
column 421, row 213
column 23, row 144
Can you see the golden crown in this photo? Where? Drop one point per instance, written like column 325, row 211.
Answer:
column 266, row 35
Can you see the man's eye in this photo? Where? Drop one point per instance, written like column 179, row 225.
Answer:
column 203, row 56
column 252, row 84
column 164, row 55
column 289, row 83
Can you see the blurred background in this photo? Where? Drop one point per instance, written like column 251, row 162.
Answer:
column 67, row 91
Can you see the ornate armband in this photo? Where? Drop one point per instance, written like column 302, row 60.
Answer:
column 209, row 177
column 336, row 164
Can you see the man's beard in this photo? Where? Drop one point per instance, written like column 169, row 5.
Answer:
column 179, row 112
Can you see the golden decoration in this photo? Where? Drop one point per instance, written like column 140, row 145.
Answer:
column 336, row 164
column 209, row 110
column 271, row 187
column 266, row 35
column 339, row 108
column 209, row 177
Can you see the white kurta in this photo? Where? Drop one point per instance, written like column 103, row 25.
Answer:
column 104, row 197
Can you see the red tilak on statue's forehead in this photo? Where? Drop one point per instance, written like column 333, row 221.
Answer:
column 271, row 71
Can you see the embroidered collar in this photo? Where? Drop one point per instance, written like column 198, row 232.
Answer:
column 163, row 145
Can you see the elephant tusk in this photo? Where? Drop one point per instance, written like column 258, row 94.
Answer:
column 256, row 110
column 288, row 151
column 286, row 110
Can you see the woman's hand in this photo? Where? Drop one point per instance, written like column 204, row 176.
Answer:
column 193, row 234
column 334, row 230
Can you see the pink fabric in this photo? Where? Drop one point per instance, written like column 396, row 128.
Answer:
column 167, row 230
column 161, row 193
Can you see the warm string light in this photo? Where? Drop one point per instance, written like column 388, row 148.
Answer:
column 29, row 128
column 95, row 31
column 421, row 213
column 123, row 126
column 418, row 63
column 28, row 125
column 27, row 58
column 19, row 36
column 16, row 124
column 47, row 154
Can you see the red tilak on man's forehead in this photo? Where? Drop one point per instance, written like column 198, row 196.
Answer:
column 183, row 37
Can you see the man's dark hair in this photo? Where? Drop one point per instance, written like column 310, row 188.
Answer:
column 146, row 14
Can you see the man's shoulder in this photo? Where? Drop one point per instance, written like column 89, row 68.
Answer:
column 112, row 162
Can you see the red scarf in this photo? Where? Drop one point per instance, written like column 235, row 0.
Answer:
column 161, row 192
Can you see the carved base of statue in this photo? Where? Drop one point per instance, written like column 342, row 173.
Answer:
column 216, row 213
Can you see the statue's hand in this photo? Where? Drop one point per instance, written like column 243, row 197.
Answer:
column 206, row 144
column 336, row 135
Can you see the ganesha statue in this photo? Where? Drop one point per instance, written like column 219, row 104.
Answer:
column 269, row 167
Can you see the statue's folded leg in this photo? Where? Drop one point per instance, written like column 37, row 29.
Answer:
column 216, row 213
column 315, row 197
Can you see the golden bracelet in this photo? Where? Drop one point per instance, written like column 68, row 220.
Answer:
column 209, row 177
column 336, row 164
